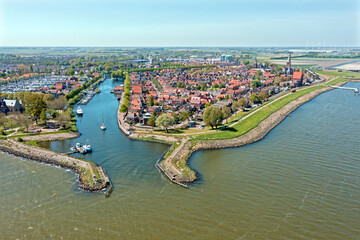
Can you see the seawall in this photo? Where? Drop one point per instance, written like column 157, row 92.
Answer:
column 86, row 170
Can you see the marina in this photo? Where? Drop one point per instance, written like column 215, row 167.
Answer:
column 31, row 84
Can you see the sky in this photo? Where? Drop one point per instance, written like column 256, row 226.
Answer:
column 191, row 23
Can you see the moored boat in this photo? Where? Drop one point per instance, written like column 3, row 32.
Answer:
column 79, row 111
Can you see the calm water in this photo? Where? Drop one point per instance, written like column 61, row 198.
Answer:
column 301, row 182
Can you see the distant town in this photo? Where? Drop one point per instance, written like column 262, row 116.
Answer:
column 181, row 83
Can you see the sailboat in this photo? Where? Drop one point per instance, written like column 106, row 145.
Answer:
column 103, row 127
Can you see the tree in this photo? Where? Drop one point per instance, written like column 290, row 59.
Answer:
column 63, row 119
column 123, row 108
column 226, row 112
column 222, row 85
column 151, row 121
column 57, row 104
column 255, row 98
column 212, row 116
column 216, row 85
column 3, row 119
column 151, row 101
column 242, row 102
column 258, row 73
column 43, row 116
column 255, row 84
column 36, row 106
column 263, row 95
column 175, row 116
column 164, row 120
column 70, row 71
column 203, row 86
column 23, row 120
column 185, row 115
column 207, row 105
column 235, row 106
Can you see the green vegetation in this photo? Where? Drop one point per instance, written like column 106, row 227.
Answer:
column 76, row 94
column 126, row 102
column 212, row 116
column 171, row 150
column 157, row 84
column 252, row 121
column 151, row 139
column 171, row 67
column 338, row 74
column 117, row 74
column 20, row 135
column 164, row 120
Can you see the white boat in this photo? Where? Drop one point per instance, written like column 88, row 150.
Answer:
column 79, row 111
column 103, row 127
column 87, row 148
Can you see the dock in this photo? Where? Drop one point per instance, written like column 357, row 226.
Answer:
column 88, row 96
column 356, row 90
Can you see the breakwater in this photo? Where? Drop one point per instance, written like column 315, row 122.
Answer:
column 92, row 177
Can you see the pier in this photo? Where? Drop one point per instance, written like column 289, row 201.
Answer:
column 89, row 95
column 356, row 90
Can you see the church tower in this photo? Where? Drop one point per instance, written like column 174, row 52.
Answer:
column 255, row 65
column 288, row 63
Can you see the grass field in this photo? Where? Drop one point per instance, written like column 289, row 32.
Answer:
column 254, row 120
column 331, row 73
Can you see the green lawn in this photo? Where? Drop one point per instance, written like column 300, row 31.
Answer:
column 338, row 74
column 252, row 121
column 21, row 134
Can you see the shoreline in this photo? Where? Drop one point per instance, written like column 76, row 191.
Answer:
column 91, row 176
column 174, row 164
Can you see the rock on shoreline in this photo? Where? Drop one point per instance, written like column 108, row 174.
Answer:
column 52, row 137
column 84, row 169
column 254, row 135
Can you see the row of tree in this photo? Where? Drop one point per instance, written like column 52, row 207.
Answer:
column 172, row 67
column 126, row 102
column 117, row 74
column 76, row 94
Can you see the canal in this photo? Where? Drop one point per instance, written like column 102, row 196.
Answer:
column 300, row 182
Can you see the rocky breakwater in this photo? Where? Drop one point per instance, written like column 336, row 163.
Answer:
column 179, row 159
column 92, row 177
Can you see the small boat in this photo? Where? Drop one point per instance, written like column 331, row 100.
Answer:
column 103, row 127
column 79, row 111
column 87, row 148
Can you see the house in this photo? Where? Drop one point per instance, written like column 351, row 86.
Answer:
column 59, row 85
column 13, row 105
column 297, row 76
column 3, row 107
column 136, row 90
